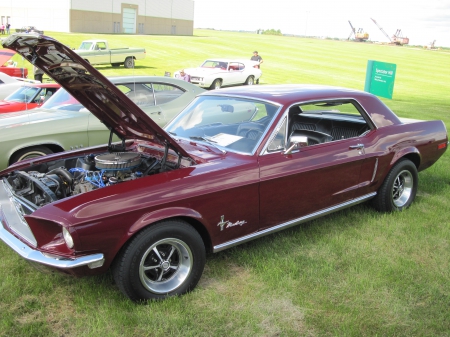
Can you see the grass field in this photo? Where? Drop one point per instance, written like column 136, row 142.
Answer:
column 352, row 273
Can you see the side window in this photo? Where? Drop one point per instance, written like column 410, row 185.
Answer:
column 101, row 45
column 277, row 143
column 140, row 94
column 241, row 66
column 164, row 93
column 327, row 121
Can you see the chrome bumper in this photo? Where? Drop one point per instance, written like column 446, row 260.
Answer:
column 9, row 214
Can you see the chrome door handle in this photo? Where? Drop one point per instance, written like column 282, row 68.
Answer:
column 357, row 146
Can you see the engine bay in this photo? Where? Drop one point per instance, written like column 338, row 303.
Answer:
column 42, row 184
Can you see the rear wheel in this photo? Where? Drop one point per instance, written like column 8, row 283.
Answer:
column 129, row 62
column 166, row 259
column 217, row 84
column 250, row 80
column 399, row 188
column 32, row 152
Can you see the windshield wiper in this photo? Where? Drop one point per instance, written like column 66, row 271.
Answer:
column 209, row 141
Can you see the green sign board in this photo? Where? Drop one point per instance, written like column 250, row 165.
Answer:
column 380, row 77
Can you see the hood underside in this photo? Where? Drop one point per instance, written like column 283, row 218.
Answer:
column 90, row 88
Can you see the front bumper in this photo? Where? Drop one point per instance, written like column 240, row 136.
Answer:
column 11, row 218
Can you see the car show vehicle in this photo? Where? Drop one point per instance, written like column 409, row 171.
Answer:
column 98, row 52
column 234, row 165
column 10, row 84
column 28, row 96
column 217, row 73
column 9, row 67
column 62, row 123
column 29, row 29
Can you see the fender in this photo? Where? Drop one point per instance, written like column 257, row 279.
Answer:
column 403, row 152
column 162, row 214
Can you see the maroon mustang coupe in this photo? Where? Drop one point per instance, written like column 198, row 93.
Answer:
column 234, row 165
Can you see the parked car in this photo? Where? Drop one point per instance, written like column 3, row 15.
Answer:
column 9, row 67
column 29, row 29
column 62, row 123
column 151, row 206
column 28, row 96
column 217, row 73
column 98, row 52
column 10, row 84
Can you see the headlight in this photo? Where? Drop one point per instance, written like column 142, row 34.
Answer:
column 67, row 237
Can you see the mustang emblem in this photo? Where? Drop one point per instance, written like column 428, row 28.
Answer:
column 228, row 224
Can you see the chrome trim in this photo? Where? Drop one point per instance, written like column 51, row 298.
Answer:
column 34, row 255
column 291, row 223
column 11, row 214
column 374, row 170
column 11, row 217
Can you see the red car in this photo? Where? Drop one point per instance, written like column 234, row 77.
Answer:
column 10, row 68
column 28, row 97
column 233, row 166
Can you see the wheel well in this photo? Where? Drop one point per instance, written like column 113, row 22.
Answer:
column 53, row 147
column 414, row 157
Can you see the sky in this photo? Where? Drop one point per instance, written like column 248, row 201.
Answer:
column 421, row 21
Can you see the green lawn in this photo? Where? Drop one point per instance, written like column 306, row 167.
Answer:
column 352, row 273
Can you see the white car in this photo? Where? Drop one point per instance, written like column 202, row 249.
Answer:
column 217, row 73
column 10, row 84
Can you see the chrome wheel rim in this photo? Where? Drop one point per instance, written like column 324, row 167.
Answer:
column 250, row 81
column 165, row 266
column 402, row 188
column 217, row 85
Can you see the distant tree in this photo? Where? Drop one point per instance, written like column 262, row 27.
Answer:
column 272, row 32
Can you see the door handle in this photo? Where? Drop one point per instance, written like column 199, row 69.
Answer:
column 357, row 146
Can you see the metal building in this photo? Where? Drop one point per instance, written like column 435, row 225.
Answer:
column 165, row 17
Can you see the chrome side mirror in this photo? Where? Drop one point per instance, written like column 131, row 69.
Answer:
column 295, row 143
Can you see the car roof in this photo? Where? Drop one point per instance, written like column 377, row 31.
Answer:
column 286, row 94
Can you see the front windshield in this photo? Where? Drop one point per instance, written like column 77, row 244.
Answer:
column 85, row 46
column 62, row 100
column 24, row 95
column 234, row 124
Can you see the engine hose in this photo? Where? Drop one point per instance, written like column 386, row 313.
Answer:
column 67, row 177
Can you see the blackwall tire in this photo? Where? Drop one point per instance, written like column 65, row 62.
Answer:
column 250, row 80
column 399, row 188
column 31, row 152
column 216, row 84
column 164, row 260
column 129, row 62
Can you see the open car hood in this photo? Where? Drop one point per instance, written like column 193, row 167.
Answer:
column 90, row 88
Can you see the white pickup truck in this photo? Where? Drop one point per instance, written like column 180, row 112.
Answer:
column 98, row 52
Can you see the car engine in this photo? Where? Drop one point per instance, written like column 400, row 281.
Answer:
column 39, row 186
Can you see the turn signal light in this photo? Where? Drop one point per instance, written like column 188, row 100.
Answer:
column 442, row 146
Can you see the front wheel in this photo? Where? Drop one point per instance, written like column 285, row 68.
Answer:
column 32, row 152
column 250, row 80
column 399, row 188
column 216, row 84
column 166, row 259
column 129, row 62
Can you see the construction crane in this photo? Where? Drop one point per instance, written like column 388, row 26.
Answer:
column 397, row 38
column 360, row 36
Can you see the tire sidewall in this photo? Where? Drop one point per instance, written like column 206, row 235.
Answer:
column 132, row 256
column 385, row 200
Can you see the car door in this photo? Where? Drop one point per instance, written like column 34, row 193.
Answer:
column 234, row 75
column 311, row 179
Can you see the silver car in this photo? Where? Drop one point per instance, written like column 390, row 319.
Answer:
column 62, row 123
